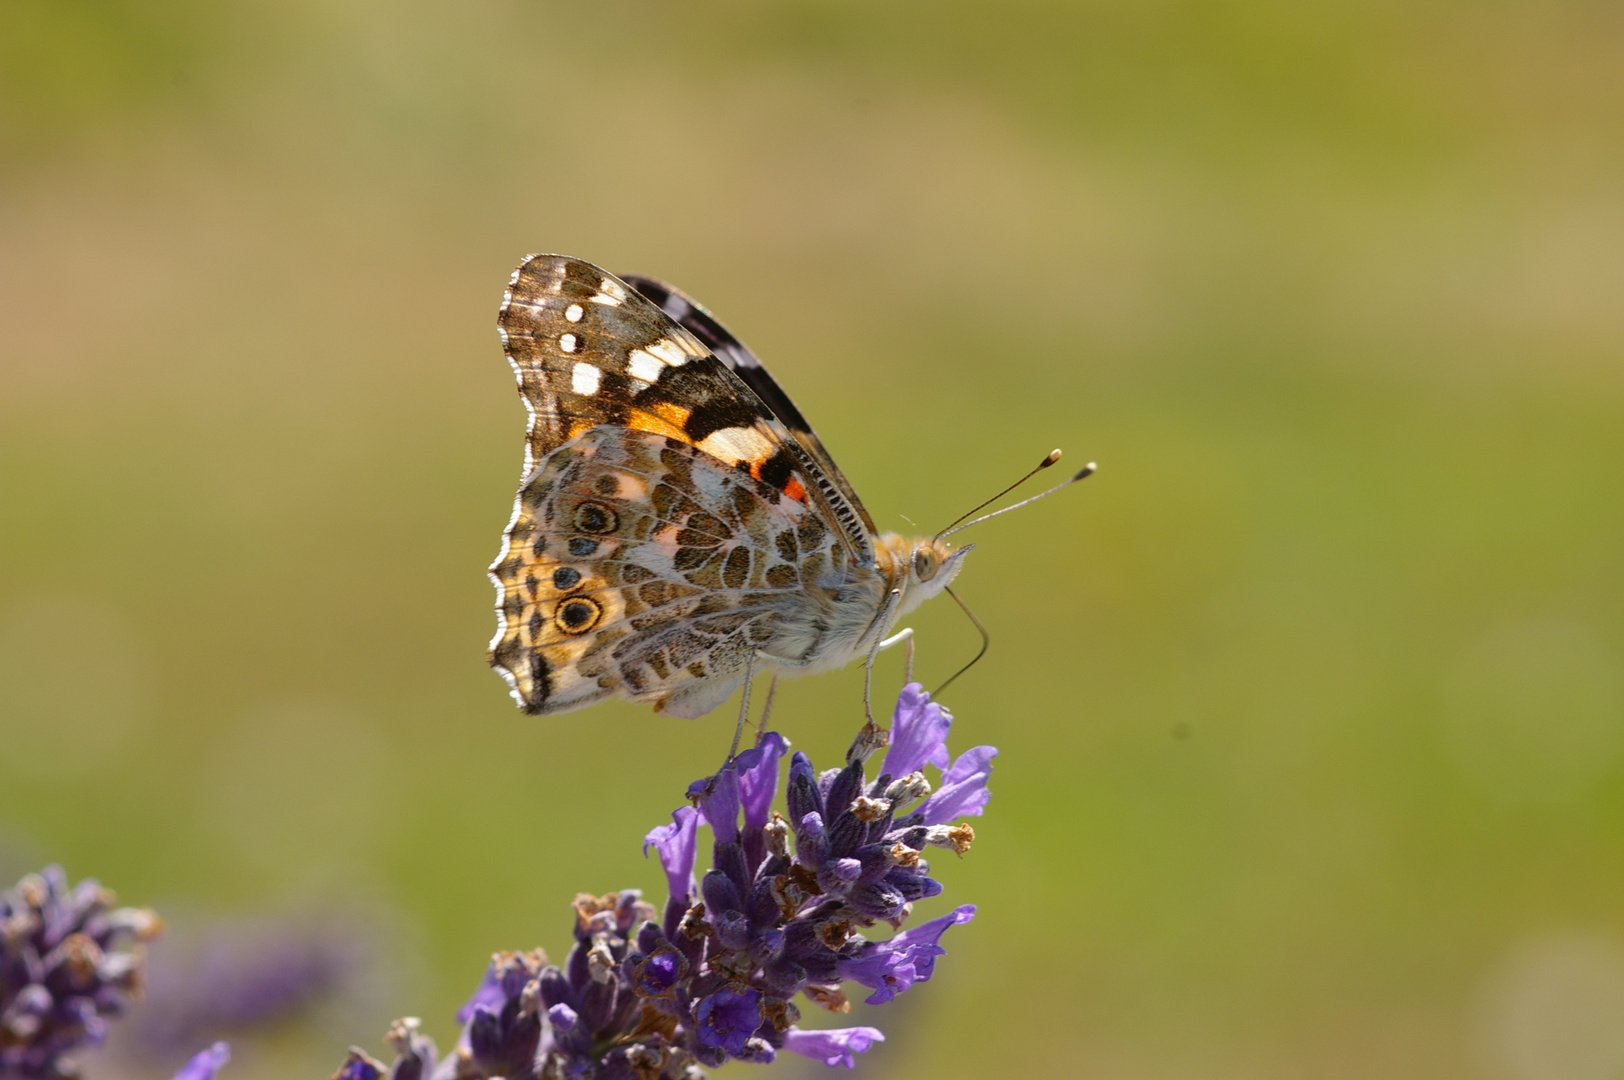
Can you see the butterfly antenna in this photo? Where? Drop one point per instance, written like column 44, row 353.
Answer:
column 986, row 641
column 1054, row 456
column 1082, row 474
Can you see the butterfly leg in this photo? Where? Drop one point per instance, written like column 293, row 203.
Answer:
column 767, row 709
column 871, row 737
column 744, row 718
column 905, row 634
column 744, row 708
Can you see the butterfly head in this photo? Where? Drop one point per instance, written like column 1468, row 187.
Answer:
column 922, row 565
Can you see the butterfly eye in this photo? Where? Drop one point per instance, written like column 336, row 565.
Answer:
column 924, row 563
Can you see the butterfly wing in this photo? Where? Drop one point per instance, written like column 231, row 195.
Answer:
column 695, row 318
column 667, row 525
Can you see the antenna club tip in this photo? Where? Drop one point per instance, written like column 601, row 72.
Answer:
column 1087, row 470
column 1054, row 456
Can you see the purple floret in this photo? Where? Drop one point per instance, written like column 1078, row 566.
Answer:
column 718, row 798
column 964, row 788
column 891, row 967
column 728, row 1018
column 205, row 1063
column 677, row 845
column 488, row 994
column 758, row 779
column 918, row 733
column 832, row 1046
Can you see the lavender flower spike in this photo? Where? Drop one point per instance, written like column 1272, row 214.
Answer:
column 783, row 912
column 205, row 1063
column 832, row 1046
column 787, row 901
column 62, row 973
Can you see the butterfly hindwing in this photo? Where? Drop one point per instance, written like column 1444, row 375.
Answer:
column 637, row 564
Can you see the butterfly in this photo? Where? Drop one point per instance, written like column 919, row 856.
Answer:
column 678, row 524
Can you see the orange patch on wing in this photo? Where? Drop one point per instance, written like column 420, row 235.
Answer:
column 673, row 414
column 656, row 424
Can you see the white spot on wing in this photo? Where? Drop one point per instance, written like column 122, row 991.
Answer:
column 610, row 292
column 668, row 352
column 574, row 312
column 584, row 379
column 567, row 342
column 737, row 444
column 690, row 345
column 641, row 364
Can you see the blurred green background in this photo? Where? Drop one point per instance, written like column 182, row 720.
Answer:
column 1311, row 704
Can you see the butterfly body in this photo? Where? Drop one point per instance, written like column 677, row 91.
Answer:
column 678, row 525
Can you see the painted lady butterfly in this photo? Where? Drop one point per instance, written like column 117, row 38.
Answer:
column 678, row 523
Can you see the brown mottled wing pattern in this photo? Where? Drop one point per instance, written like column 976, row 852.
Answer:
column 667, row 526
column 637, row 564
